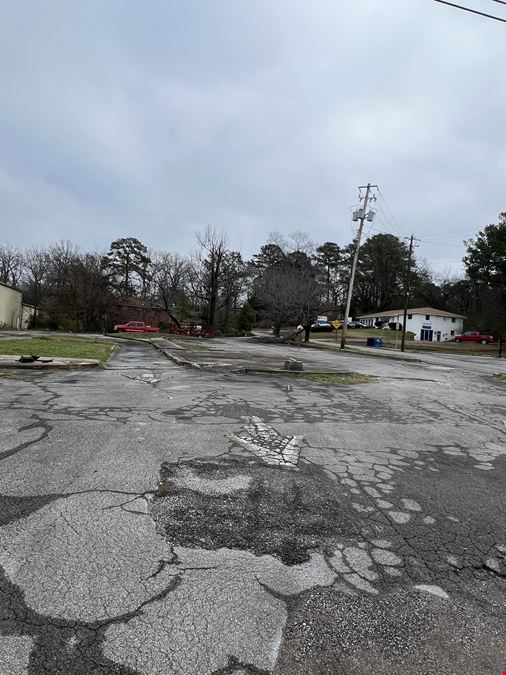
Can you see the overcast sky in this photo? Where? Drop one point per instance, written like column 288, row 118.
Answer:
column 153, row 118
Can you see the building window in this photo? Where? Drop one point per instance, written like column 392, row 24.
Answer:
column 410, row 316
column 427, row 317
column 452, row 332
column 453, row 319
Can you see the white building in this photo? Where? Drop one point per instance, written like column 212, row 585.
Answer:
column 13, row 312
column 428, row 324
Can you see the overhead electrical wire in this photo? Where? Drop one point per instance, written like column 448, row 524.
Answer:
column 448, row 235
column 439, row 243
column 445, row 262
column 473, row 11
column 399, row 228
column 383, row 215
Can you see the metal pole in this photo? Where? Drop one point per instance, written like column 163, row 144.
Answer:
column 354, row 265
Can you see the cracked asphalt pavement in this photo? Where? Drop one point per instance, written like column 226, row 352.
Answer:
column 156, row 520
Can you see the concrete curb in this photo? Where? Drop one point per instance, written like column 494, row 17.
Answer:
column 49, row 366
column 294, row 373
column 384, row 355
column 178, row 360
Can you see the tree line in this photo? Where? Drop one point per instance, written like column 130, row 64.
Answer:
column 288, row 281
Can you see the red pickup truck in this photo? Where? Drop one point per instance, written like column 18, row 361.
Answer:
column 474, row 336
column 135, row 327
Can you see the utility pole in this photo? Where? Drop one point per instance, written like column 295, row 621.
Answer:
column 406, row 290
column 362, row 217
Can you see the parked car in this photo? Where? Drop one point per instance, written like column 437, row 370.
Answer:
column 474, row 336
column 321, row 326
column 357, row 324
column 135, row 327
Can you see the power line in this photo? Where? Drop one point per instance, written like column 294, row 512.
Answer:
column 439, row 243
column 390, row 212
column 445, row 262
column 447, row 235
column 501, row 2
column 473, row 11
column 387, row 220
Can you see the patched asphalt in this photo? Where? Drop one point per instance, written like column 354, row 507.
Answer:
column 159, row 520
column 244, row 504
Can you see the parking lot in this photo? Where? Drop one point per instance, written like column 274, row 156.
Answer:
column 207, row 520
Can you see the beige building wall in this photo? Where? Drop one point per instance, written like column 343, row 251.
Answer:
column 11, row 308
column 28, row 312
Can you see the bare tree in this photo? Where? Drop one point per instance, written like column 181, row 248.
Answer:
column 36, row 266
column 170, row 280
column 234, row 288
column 11, row 264
column 88, row 294
column 62, row 256
column 210, row 266
column 295, row 242
column 289, row 296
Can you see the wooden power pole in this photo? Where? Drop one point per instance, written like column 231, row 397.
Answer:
column 406, row 290
column 362, row 218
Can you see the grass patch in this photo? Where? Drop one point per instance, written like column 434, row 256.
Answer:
column 468, row 349
column 69, row 348
column 500, row 377
column 339, row 378
column 187, row 345
column 359, row 334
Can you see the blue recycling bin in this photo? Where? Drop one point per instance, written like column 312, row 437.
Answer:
column 374, row 342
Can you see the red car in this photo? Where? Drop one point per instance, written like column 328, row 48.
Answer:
column 135, row 327
column 475, row 336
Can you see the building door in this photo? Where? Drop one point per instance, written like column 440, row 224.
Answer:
column 438, row 336
column 426, row 335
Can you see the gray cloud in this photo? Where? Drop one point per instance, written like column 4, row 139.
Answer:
column 153, row 119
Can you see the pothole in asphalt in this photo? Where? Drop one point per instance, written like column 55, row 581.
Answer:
column 240, row 503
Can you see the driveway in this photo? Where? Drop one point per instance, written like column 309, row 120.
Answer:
column 160, row 520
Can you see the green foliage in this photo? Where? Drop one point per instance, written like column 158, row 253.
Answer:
column 485, row 263
column 328, row 259
column 485, row 260
column 128, row 264
column 269, row 256
column 381, row 272
column 247, row 317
